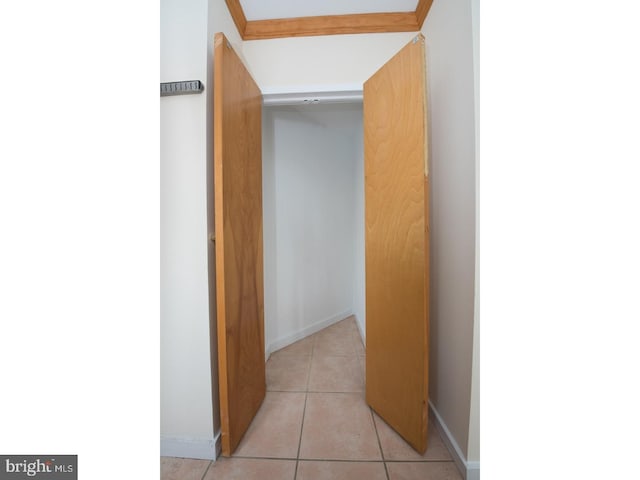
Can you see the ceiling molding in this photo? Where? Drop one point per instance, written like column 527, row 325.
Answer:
column 237, row 13
column 328, row 24
column 331, row 25
column 422, row 9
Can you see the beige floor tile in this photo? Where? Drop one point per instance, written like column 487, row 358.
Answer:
column 363, row 367
column 172, row 468
column 336, row 374
column 357, row 343
column 423, row 471
column 337, row 339
column 344, row 327
column 333, row 342
column 251, row 469
column 338, row 426
column 288, row 373
column 395, row 448
column 309, row 470
column 275, row 430
column 301, row 347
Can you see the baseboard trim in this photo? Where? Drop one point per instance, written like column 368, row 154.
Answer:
column 199, row 448
column 305, row 332
column 217, row 441
column 473, row 471
column 469, row 470
column 362, row 330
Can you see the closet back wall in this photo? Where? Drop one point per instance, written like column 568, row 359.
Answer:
column 309, row 201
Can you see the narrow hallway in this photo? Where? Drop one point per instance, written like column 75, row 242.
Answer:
column 314, row 424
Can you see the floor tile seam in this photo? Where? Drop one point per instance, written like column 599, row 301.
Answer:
column 315, row 391
column 248, row 457
column 304, row 411
column 338, row 355
column 287, row 391
column 279, row 353
column 305, row 459
column 419, row 461
column 335, row 392
column 206, row 470
column 339, row 460
column 375, row 427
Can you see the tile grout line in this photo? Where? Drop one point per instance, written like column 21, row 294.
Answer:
column 344, row 460
column 340, row 460
column 419, row 461
column 375, row 427
column 207, row 469
column 304, row 409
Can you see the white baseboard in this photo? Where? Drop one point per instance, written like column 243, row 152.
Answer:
column 469, row 470
column 217, row 440
column 473, row 471
column 362, row 330
column 305, row 332
column 200, row 448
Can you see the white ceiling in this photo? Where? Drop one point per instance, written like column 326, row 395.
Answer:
column 270, row 9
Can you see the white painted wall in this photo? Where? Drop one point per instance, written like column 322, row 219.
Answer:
column 359, row 299
column 338, row 62
column 188, row 408
column 185, row 383
column 473, row 451
column 450, row 73
column 309, row 177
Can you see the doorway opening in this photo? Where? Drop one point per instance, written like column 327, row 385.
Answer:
column 313, row 218
column 396, row 237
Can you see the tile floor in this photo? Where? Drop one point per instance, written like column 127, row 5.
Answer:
column 314, row 424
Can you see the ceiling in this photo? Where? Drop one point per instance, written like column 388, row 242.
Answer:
column 263, row 19
column 271, row 9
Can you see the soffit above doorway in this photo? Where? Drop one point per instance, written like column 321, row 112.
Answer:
column 262, row 19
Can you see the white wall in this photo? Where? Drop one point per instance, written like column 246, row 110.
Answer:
column 188, row 408
column 473, row 451
column 186, row 414
column 359, row 299
column 450, row 73
column 319, row 63
column 309, row 175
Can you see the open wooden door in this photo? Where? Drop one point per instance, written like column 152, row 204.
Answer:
column 397, row 243
column 238, row 230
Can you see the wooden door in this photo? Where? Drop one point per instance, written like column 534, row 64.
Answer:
column 238, row 230
column 397, row 243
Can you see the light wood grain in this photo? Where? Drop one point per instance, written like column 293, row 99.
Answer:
column 328, row 24
column 331, row 25
column 422, row 10
column 237, row 13
column 238, row 226
column 397, row 243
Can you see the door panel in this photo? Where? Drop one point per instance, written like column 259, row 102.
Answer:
column 238, row 230
column 397, row 243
